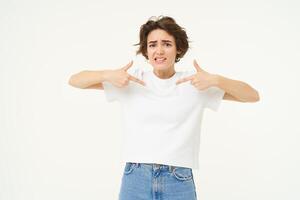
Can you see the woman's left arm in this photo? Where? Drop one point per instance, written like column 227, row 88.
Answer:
column 236, row 90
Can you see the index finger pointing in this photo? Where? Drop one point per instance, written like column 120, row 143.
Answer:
column 136, row 80
column 184, row 79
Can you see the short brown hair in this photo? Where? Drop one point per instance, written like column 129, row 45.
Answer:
column 169, row 25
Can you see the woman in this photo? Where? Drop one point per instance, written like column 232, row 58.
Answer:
column 162, row 112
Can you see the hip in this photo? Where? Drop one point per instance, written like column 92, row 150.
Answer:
column 157, row 181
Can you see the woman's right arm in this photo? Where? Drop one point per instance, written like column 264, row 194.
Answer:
column 93, row 79
column 89, row 79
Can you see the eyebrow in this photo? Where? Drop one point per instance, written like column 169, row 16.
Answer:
column 166, row 41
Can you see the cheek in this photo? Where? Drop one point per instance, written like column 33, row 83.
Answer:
column 149, row 54
column 171, row 51
column 172, row 54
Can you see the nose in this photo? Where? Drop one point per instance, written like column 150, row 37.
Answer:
column 160, row 49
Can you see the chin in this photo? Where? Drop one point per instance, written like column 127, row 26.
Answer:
column 160, row 67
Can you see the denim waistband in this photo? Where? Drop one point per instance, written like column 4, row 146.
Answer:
column 155, row 166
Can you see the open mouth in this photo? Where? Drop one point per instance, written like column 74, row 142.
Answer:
column 160, row 60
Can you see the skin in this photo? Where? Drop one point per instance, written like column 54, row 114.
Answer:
column 234, row 90
column 161, row 44
column 121, row 78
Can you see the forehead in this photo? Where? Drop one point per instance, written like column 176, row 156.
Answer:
column 159, row 34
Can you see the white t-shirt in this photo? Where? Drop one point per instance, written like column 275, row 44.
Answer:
column 162, row 120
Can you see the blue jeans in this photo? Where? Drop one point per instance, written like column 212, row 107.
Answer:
column 147, row 181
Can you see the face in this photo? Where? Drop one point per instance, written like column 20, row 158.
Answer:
column 161, row 50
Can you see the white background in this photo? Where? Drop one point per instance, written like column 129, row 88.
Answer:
column 60, row 142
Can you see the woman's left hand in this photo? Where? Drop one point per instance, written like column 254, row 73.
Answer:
column 201, row 80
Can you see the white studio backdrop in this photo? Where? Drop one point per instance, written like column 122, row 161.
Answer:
column 60, row 142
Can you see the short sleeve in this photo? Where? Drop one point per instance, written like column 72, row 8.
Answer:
column 213, row 98
column 113, row 93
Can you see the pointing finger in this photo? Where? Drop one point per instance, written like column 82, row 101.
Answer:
column 184, row 79
column 136, row 80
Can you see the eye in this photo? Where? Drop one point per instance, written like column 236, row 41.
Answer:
column 168, row 44
column 151, row 45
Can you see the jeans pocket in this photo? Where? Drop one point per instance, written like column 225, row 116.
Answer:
column 129, row 167
column 182, row 173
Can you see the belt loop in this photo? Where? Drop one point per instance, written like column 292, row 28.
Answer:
column 156, row 166
column 171, row 168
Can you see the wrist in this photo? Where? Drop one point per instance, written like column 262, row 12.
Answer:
column 216, row 80
column 105, row 75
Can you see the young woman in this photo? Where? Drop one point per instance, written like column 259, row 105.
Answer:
column 162, row 112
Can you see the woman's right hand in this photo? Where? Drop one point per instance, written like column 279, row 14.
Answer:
column 120, row 78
